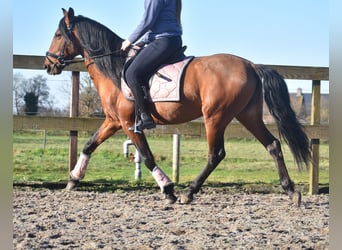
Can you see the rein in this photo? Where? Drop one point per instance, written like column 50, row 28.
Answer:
column 118, row 53
column 61, row 60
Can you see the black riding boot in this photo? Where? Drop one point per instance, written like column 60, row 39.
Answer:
column 143, row 117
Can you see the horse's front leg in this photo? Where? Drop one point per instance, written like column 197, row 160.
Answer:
column 163, row 181
column 107, row 129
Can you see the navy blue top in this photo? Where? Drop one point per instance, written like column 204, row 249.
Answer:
column 159, row 20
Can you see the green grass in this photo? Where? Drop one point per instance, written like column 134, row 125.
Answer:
column 246, row 161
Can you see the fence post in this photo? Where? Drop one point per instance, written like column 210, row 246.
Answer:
column 75, row 88
column 314, row 173
column 44, row 139
column 315, row 120
column 175, row 160
column 137, row 160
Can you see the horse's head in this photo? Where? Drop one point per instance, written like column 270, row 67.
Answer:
column 64, row 45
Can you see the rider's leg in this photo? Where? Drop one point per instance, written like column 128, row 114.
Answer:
column 141, row 110
column 144, row 65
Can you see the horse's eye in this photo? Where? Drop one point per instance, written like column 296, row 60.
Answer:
column 58, row 35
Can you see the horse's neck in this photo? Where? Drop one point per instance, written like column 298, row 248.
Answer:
column 112, row 99
column 113, row 70
column 103, row 84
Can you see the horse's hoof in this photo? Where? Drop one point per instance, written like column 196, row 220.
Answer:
column 186, row 198
column 72, row 184
column 297, row 198
column 168, row 190
column 170, row 199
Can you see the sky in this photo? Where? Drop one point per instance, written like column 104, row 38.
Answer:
column 283, row 32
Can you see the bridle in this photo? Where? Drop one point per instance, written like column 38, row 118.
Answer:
column 62, row 62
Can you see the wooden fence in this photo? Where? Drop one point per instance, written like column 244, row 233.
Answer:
column 315, row 130
column 190, row 129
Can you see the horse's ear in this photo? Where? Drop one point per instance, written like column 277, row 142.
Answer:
column 68, row 16
column 71, row 13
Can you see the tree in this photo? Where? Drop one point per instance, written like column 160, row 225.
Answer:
column 30, row 95
column 90, row 103
column 18, row 101
column 38, row 86
column 31, row 103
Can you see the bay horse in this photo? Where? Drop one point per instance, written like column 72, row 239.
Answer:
column 218, row 87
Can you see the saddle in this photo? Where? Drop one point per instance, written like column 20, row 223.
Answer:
column 164, row 84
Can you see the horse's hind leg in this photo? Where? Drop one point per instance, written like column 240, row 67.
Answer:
column 215, row 156
column 287, row 184
column 253, row 122
column 107, row 129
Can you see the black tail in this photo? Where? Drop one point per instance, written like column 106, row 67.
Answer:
column 277, row 98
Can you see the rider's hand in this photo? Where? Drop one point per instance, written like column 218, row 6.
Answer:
column 125, row 45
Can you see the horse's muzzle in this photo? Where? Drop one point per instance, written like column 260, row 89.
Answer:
column 53, row 68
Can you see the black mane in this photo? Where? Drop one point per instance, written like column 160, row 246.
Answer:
column 97, row 40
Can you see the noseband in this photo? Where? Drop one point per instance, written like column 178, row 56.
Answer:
column 60, row 58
